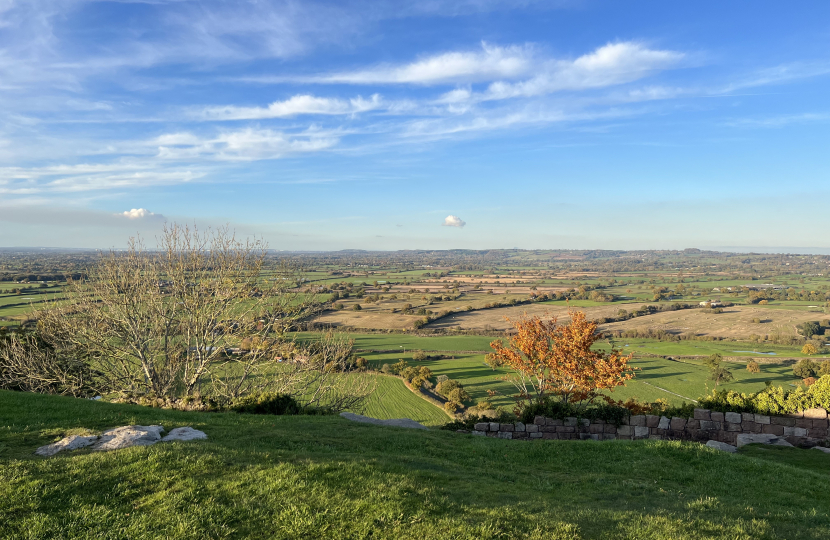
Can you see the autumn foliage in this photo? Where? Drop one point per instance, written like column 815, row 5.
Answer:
column 552, row 361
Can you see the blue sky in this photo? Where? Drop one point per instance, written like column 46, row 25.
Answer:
column 426, row 124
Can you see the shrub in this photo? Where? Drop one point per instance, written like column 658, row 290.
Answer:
column 753, row 367
column 805, row 368
column 484, row 405
column 809, row 381
column 386, row 368
column 266, row 403
column 419, row 356
column 356, row 307
column 809, row 348
column 451, row 407
column 820, row 392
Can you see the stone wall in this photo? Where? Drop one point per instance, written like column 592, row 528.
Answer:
column 801, row 429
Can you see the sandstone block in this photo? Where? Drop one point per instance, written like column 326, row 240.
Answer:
column 478, row 433
column 518, row 426
column 532, row 428
column 800, row 432
column 494, row 426
column 717, row 416
column 773, row 429
column 762, row 419
column 709, row 425
column 482, row 426
column 520, row 434
column 596, row 428
column 535, row 435
column 733, row 417
column 789, row 431
column 782, row 421
column 640, row 432
column 584, row 422
column 751, row 427
column 625, row 431
column 803, row 423
column 678, row 424
column 610, row 428
column 665, row 422
column 550, row 436
column 732, row 427
column 539, row 420
column 638, row 420
column 693, row 424
column 747, row 417
column 652, row 421
column 570, row 421
column 548, row 429
column 818, row 423
column 815, row 414
column 554, row 422
column 702, row 414
column 505, row 435
column 507, row 427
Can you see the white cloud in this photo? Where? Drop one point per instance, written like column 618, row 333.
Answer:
column 296, row 105
column 138, row 213
column 609, row 65
column 247, row 145
column 492, row 62
column 454, row 221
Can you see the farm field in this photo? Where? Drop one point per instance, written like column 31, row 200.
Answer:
column 295, row 476
column 675, row 381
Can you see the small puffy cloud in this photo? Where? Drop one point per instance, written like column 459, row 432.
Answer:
column 454, row 221
column 138, row 213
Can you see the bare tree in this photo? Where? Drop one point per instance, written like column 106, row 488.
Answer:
column 173, row 321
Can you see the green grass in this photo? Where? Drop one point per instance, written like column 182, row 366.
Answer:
column 406, row 343
column 393, row 399
column 325, row 477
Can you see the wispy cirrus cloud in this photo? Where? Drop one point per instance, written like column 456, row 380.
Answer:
column 301, row 104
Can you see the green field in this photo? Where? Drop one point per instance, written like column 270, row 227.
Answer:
column 393, row 399
column 325, row 477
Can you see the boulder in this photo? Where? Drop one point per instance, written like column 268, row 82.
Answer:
column 717, row 445
column 73, row 442
column 395, row 422
column 822, row 449
column 127, row 436
column 760, row 438
column 184, row 434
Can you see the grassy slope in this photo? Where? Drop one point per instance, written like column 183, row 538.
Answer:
column 324, row 477
column 393, row 399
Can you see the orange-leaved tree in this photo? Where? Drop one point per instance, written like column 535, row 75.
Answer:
column 552, row 361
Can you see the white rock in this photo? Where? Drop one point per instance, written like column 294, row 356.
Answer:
column 396, row 422
column 759, row 438
column 822, row 449
column 184, row 434
column 73, row 442
column 127, row 436
column 717, row 445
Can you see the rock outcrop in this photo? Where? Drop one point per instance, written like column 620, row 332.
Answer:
column 121, row 437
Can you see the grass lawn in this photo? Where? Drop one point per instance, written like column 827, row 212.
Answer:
column 324, row 477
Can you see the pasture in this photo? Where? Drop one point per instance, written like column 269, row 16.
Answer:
column 326, row 477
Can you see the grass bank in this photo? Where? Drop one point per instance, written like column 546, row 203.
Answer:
column 324, row 477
